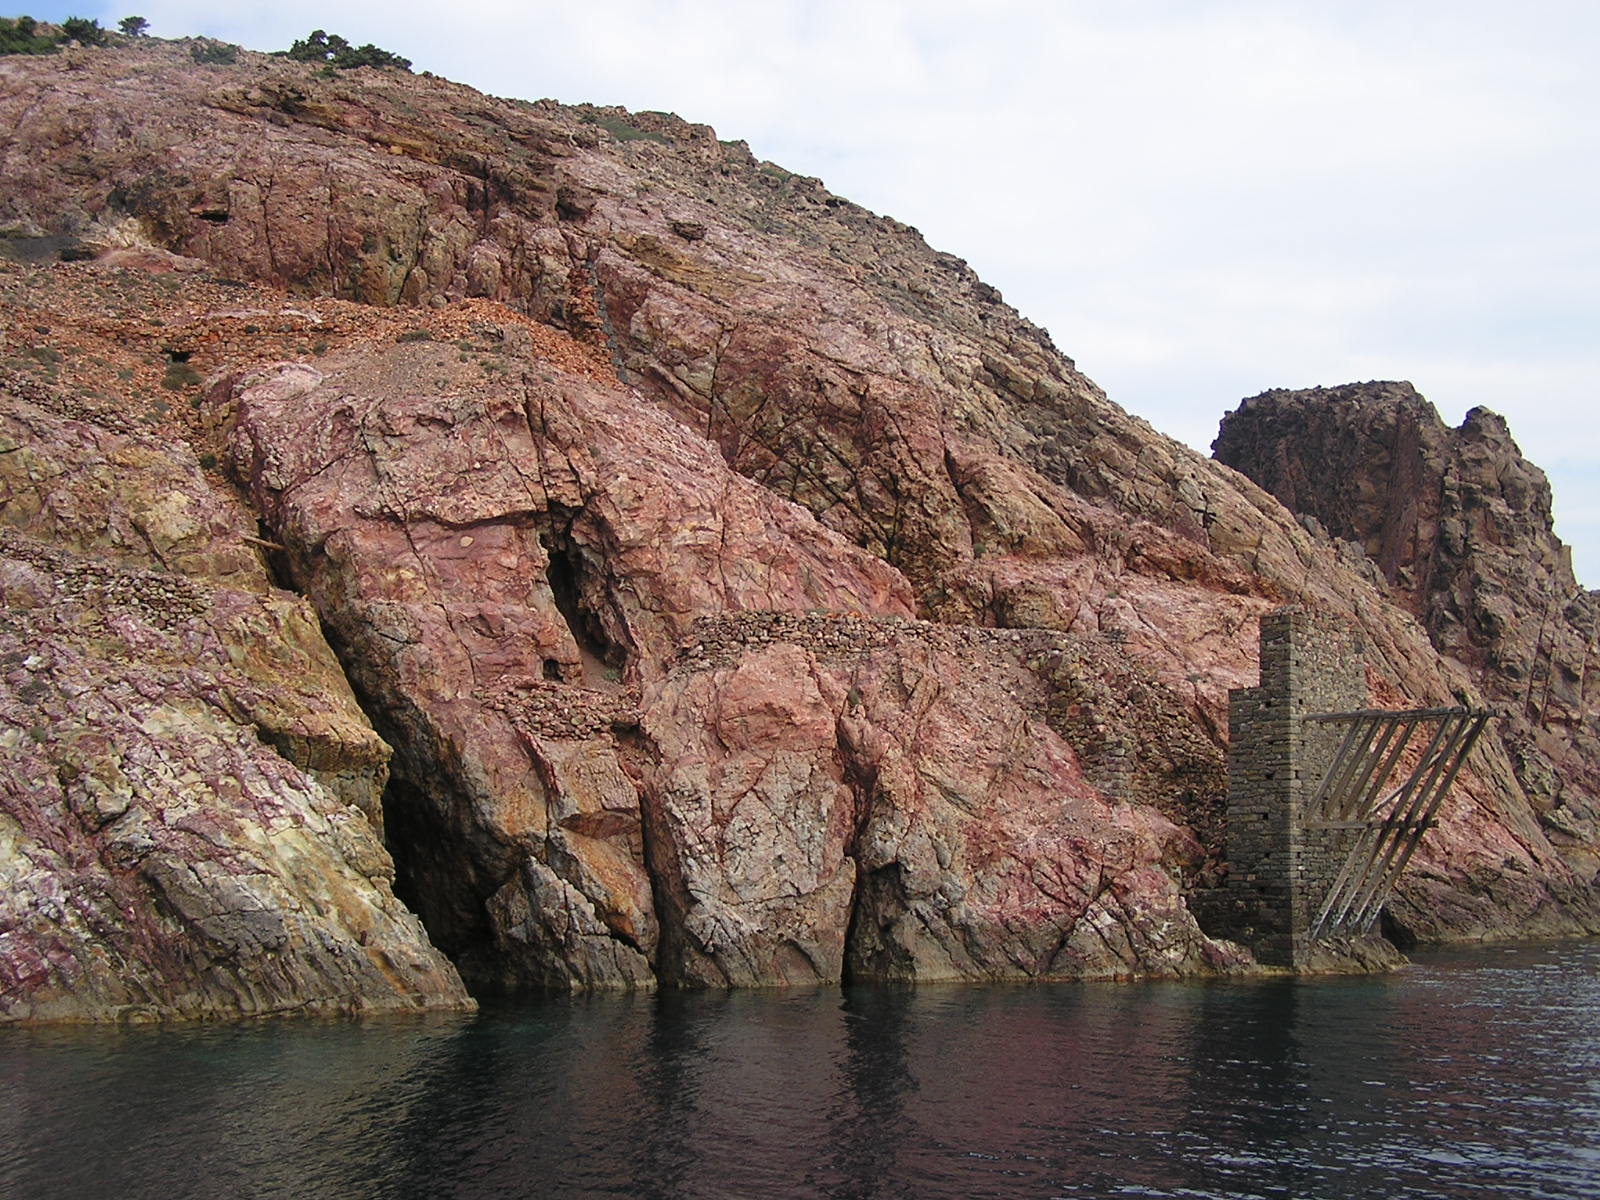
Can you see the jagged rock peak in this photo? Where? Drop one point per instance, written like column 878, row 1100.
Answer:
column 1375, row 464
column 1459, row 523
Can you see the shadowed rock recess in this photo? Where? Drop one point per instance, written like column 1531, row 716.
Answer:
column 690, row 577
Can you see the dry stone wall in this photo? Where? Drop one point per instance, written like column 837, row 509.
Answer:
column 1281, row 865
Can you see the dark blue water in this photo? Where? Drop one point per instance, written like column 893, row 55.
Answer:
column 1471, row 1074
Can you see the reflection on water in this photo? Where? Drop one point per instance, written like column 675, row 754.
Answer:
column 1468, row 1075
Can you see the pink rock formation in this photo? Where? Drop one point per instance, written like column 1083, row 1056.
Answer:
column 890, row 800
column 189, row 797
column 480, row 548
column 755, row 598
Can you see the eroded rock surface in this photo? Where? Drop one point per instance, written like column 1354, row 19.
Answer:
column 189, row 799
column 510, row 558
column 489, row 540
column 892, row 800
column 748, row 594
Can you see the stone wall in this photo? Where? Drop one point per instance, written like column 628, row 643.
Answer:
column 1280, row 866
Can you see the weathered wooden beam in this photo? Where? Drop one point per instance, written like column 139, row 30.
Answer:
column 1472, row 727
column 1384, row 848
column 1398, row 730
column 1344, row 763
column 1357, row 714
column 1409, row 801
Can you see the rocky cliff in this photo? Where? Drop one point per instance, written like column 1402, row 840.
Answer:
column 191, row 804
column 1459, row 524
column 737, row 590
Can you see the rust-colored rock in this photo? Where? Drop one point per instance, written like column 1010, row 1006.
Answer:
column 891, row 800
column 748, row 594
column 497, row 547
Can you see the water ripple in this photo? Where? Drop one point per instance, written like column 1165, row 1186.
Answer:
column 1469, row 1075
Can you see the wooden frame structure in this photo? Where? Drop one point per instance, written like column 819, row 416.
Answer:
column 1387, row 825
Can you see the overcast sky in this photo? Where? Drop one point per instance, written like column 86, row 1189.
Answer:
column 1200, row 200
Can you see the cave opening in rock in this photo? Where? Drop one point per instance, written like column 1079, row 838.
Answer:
column 872, row 950
column 603, row 657
column 437, row 873
column 280, row 571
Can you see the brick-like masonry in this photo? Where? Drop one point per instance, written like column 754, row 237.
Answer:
column 1280, row 866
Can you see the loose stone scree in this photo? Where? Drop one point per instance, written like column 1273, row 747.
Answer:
column 1319, row 830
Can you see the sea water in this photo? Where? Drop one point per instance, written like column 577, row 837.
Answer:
column 1468, row 1074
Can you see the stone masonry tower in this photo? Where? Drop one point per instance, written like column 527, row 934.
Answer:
column 1281, row 862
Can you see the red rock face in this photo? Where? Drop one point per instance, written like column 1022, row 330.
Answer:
column 748, row 595
column 510, row 570
column 505, row 562
column 891, row 800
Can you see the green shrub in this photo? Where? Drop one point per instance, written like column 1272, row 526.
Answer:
column 622, row 131
column 211, row 51
column 133, row 26
column 85, row 31
column 316, row 47
column 369, row 55
column 323, row 47
column 180, row 374
column 20, row 35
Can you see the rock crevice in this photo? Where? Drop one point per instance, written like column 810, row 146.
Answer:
column 747, row 594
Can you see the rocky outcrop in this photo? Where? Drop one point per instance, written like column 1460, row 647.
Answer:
column 509, row 559
column 892, row 800
column 190, row 795
column 829, row 354
column 1459, row 525
column 748, row 595
column 489, row 539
